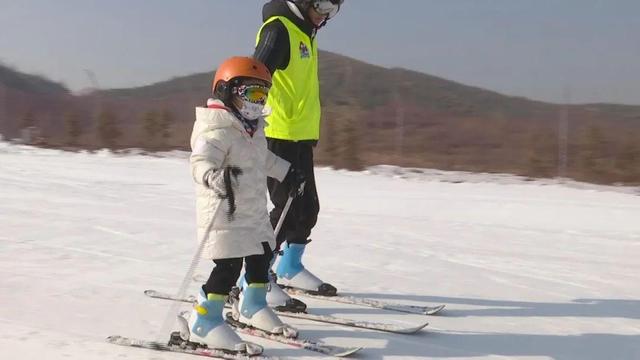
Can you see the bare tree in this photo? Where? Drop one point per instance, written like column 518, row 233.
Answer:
column 594, row 152
column 351, row 151
column 28, row 120
column 628, row 159
column 165, row 125
column 73, row 127
column 151, row 126
column 108, row 129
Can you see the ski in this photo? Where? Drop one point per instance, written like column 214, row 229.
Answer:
column 397, row 329
column 353, row 300
column 185, row 348
column 412, row 309
column 310, row 345
column 165, row 296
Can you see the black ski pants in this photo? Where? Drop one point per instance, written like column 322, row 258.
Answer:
column 226, row 271
column 303, row 213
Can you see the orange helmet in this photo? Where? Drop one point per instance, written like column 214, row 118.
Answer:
column 238, row 67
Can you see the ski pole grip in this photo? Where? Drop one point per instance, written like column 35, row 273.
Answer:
column 294, row 192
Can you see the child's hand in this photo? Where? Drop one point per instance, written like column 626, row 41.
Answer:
column 214, row 180
column 222, row 181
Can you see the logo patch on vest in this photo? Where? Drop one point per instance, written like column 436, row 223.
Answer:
column 304, row 51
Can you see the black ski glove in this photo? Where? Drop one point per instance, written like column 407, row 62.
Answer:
column 295, row 181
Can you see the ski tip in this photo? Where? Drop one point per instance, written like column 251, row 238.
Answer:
column 149, row 292
column 412, row 330
column 253, row 349
column 433, row 310
column 347, row 352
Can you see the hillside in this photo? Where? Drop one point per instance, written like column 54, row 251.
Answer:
column 376, row 115
column 27, row 100
column 18, row 81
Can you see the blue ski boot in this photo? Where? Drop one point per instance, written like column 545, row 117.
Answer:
column 292, row 273
column 252, row 310
column 207, row 327
column 277, row 298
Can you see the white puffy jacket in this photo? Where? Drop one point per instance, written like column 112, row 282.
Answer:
column 219, row 141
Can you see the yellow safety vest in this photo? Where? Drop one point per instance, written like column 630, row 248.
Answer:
column 295, row 95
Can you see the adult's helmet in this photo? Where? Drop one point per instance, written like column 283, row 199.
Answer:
column 234, row 69
column 324, row 7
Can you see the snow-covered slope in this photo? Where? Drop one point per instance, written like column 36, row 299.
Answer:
column 528, row 270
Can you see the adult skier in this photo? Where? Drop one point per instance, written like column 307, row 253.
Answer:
column 229, row 163
column 286, row 44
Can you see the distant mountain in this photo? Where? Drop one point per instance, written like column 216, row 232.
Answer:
column 196, row 84
column 376, row 115
column 27, row 100
column 348, row 81
column 370, row 86
column 18, row 81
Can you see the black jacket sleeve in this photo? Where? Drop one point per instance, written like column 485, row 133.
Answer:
column 273, row 49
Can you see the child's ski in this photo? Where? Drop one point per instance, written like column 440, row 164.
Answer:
column 186, row 347
column 306, row 344
column 319, row 318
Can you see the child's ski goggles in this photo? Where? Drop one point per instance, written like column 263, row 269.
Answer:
column 256, row 94
column 328, row 8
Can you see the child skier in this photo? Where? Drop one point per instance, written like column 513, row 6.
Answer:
column 230, row 163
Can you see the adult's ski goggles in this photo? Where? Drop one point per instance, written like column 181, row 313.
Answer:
column 328, row 8
column 256, row 94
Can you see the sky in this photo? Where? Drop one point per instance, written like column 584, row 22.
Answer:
column 553, row 50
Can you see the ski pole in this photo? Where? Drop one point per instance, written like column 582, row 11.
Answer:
column 169, row 319
column 292, row 195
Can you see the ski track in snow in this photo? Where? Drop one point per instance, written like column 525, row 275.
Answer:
column 528, row 269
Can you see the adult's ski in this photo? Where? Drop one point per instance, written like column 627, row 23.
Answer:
column 391, row 328
column 312, row 317
column 378, row 304
column 186, row 347
column 361, row 301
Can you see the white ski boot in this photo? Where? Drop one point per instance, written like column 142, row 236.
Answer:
column 207, row 327
column 292, row 273
column 252, row 310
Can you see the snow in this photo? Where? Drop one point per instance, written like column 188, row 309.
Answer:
column 528, row 269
